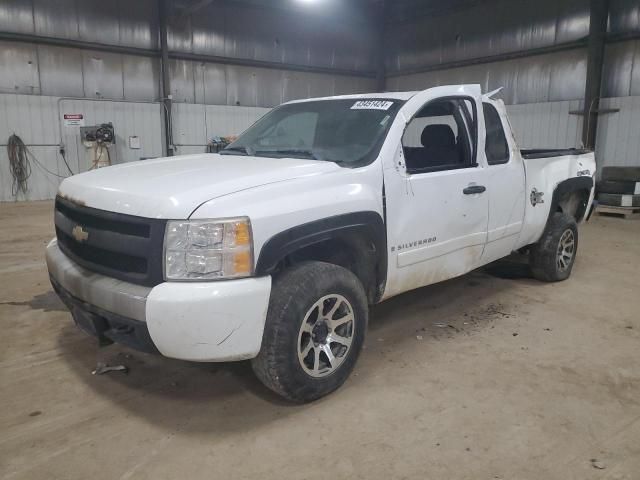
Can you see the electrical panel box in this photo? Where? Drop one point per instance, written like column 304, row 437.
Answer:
column 103, row 133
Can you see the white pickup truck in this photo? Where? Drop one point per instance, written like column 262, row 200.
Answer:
column 274, row 249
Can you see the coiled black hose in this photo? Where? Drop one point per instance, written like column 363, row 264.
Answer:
column 19, row 164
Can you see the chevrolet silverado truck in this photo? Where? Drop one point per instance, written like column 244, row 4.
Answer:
column 274, row 249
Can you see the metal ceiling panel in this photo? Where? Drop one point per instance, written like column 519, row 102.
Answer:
column 240, row 42
column 624, row 16
column 141, row 78
column 268, row 39
column 207, row 30
column 403, row 43
column 321, row 53
column 179, row 34
column 139, row 26
column 359, row 55
column 16, row 16
column 294, row 43
column 480, row 31
column 98, row 21
column 572, row 20
column 56, row 18
column 19, row 72
column 102, row 74
column 60, row 71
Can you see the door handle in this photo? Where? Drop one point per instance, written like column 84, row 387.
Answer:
column 471, row 189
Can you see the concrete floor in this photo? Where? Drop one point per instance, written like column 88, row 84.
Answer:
column 481, row 377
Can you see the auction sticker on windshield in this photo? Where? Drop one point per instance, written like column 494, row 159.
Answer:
column 371, row 105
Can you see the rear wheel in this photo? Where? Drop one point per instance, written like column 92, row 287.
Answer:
column 314, row 331
column 552, row 258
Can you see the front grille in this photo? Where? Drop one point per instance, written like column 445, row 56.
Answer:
column 121, row 246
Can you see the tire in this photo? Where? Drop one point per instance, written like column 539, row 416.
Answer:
column 619, row 200
column 548, row 262
column 617, row 186
column 299, row 318
column 624, row 174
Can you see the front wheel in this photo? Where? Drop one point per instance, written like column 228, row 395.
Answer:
column 552, row 258
column 314, row 331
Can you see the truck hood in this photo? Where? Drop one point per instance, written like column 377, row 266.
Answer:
column 174, row 187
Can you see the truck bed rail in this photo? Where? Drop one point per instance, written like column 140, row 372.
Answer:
column 551, row 152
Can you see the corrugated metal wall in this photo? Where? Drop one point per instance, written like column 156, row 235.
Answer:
column 542, row 78
column 217, row 30
column 210, row 99
column 539, row 90
column 484, row 29
column 194, row 125
column 618, row 141
column 510, row 26
column 275, row 35
column 38, row 120
column 546, row 125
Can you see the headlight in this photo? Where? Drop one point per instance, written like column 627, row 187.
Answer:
column 208, row 249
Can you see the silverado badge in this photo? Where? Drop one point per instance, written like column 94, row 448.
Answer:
column 79, row 234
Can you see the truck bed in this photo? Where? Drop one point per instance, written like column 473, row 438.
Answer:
column 551, row 152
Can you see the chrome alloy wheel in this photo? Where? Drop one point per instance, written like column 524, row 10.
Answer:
column 325, row 336
column 566, row 250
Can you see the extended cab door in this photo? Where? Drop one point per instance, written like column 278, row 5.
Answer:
column 435, row 188
column 506, row 182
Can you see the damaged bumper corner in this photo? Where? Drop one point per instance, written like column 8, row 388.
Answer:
column 209, row 321
column 197, row 321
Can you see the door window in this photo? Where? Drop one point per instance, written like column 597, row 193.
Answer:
column 442, row 136
column 496, row 146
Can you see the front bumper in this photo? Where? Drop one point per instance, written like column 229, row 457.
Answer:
column 198, row 321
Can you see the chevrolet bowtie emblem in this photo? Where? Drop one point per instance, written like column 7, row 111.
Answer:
column 79, row 234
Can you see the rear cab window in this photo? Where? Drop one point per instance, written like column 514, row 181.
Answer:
column 496, row 146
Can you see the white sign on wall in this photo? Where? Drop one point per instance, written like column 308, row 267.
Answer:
column 73, row 120
column 134, row 142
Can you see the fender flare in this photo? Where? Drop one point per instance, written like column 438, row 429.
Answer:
column 568, row 186
column 365, row 224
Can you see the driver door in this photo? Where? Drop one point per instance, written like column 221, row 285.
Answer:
column 435, row 188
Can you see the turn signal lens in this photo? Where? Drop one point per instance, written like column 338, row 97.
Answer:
column 242, row 262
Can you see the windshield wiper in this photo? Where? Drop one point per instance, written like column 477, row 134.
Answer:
column 295, row 151
column 233, row 150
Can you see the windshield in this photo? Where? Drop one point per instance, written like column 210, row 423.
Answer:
column 349, row 132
